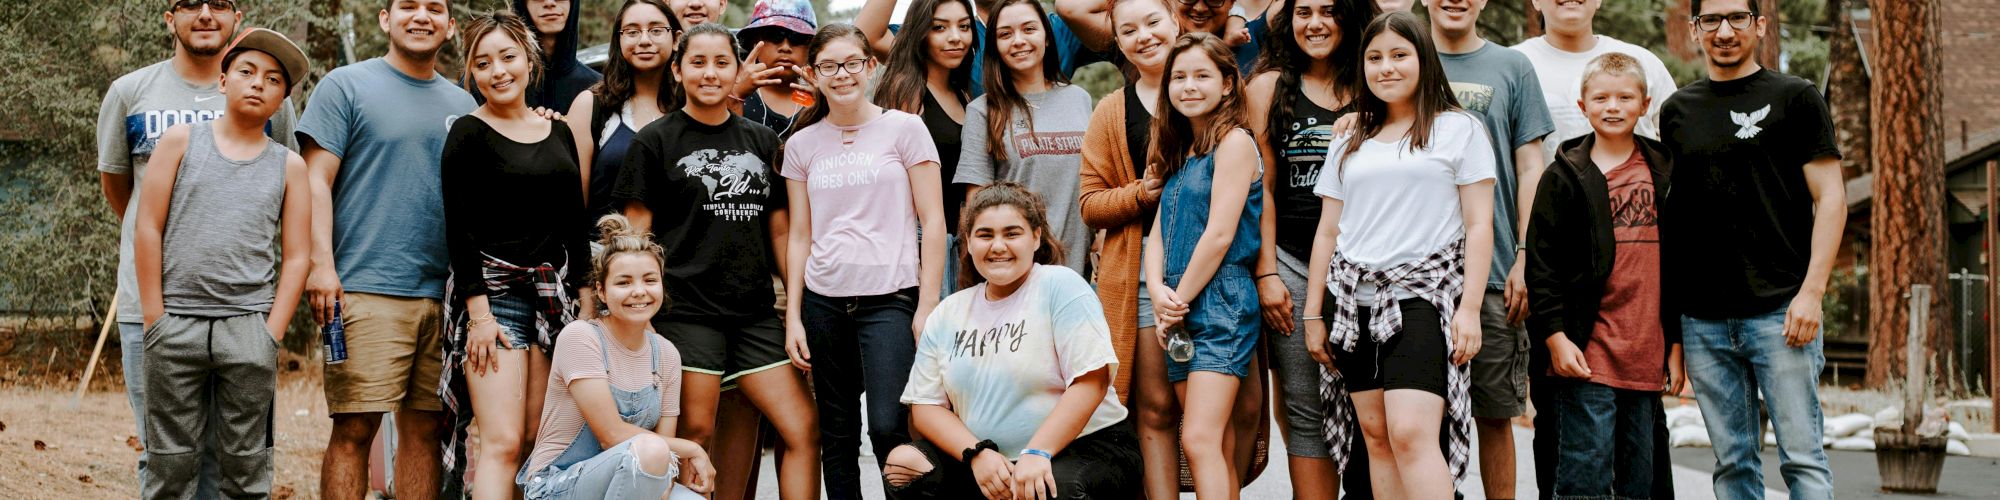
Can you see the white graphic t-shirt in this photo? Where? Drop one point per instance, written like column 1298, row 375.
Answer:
column 1002, row 365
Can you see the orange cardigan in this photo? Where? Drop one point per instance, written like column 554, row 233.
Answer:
column 1114, row 201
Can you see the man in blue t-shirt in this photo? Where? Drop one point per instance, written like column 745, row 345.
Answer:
column 372, row 134
column 1500, row 86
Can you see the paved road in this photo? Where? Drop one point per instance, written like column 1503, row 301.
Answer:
column 1854, row 476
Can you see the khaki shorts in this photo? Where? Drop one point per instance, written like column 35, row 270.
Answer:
column 395, row 355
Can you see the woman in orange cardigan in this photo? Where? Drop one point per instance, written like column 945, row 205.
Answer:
column 1119, row 198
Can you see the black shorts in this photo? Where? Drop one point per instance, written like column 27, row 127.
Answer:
column 1413, row 359
column 726, row 347
column 1102, row 464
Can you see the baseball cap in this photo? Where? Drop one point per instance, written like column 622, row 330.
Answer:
column 297, row 67
column 790, row 15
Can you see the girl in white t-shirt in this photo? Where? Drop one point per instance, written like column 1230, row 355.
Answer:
column 1011, row 391
column 865, row 197
column 1407, row 222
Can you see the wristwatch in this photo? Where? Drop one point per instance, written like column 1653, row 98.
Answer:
column 967, row 455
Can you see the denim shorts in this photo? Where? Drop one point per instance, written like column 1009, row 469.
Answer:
column 516, row 316
column 1224, row 321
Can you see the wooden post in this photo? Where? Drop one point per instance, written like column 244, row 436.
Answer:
column 1993, row 290
column 1916, row 385
column 90, row 368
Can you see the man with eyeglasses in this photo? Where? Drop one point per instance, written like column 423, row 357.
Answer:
column 136, row 110
column 563, row 77
column 1759, row 203
column 1499, row 85
column 372, row 134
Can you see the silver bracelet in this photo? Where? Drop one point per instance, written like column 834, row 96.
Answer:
column 1310, row 318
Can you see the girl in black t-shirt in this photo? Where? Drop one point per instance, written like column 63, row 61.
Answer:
column 1309, row 73
column 929, row 76
column 518, row 257
column 702, row 179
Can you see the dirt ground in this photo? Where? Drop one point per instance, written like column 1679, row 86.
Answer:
column 49, row 450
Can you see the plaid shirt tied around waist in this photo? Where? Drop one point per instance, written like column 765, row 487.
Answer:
column 1438, row 279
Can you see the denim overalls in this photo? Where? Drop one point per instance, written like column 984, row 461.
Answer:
column 585, row 469
column 1223, row 320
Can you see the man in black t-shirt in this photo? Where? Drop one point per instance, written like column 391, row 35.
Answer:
column 1758, row 205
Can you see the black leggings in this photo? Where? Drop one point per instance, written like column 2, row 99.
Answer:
column 1102, row 464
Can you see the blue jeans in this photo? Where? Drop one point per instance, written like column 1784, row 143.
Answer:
column 1607, row 441
column 1730, row 361
column 132, row 360
column 861, row 346
column 612, row 474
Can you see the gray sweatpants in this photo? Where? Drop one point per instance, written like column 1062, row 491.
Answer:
column 201, row 371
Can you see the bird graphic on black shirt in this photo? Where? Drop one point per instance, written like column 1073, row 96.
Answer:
column 1749, row 121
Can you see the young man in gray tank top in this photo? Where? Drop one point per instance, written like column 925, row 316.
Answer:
column 216, row 196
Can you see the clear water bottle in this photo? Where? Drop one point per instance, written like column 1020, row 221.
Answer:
column 333, row 338
column 1179, row 346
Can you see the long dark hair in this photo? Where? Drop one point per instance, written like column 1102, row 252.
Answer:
column 1433, row 93
column 1281, row 54
column 826, row 35
column 1002, row 99
column 621, row 80
column 903, row 83
column 1032, row 208
column 1174, row 137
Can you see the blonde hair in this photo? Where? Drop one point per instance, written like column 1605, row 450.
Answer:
column 618, row 237
column 1612, row 64
column 517, row 30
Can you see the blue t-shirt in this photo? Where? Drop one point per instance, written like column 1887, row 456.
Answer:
column 1498, row 84
column 1069, row 48
column 388, row 130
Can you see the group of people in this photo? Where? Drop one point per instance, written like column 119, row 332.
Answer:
column 927, row 228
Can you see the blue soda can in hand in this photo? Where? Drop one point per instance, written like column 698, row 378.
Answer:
column 333, row 338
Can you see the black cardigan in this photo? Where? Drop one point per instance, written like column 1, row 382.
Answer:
column 1571, row 248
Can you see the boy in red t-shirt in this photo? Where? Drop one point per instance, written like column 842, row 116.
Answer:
column 1595, row 290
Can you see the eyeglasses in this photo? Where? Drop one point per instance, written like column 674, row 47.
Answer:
column 656, row 33
column 193, row 6
column 1213, row 4
column 828, row 69
column 1737, row 20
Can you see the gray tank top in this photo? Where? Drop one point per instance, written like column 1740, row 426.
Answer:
column 219, row 249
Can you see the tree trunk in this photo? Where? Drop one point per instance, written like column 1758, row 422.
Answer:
column 1531, row 20
column 1908, row 228
column 323, row 38
column 1847, row 86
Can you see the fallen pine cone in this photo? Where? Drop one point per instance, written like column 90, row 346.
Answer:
column 84, row 478
column 133, row 441
column 282, row 493
column 41, row 446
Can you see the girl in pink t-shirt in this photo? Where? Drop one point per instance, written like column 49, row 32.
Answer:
column 865, row 196
column 614, row 389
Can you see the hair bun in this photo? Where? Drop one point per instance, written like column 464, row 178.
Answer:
column 612, row 226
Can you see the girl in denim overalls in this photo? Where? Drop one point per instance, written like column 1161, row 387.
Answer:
column 1203, row 246
column 613, row 390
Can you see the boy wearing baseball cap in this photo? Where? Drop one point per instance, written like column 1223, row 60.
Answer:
column 217, row 195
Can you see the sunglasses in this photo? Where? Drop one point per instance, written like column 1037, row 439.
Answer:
column 193, row 6
column 773, row 36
